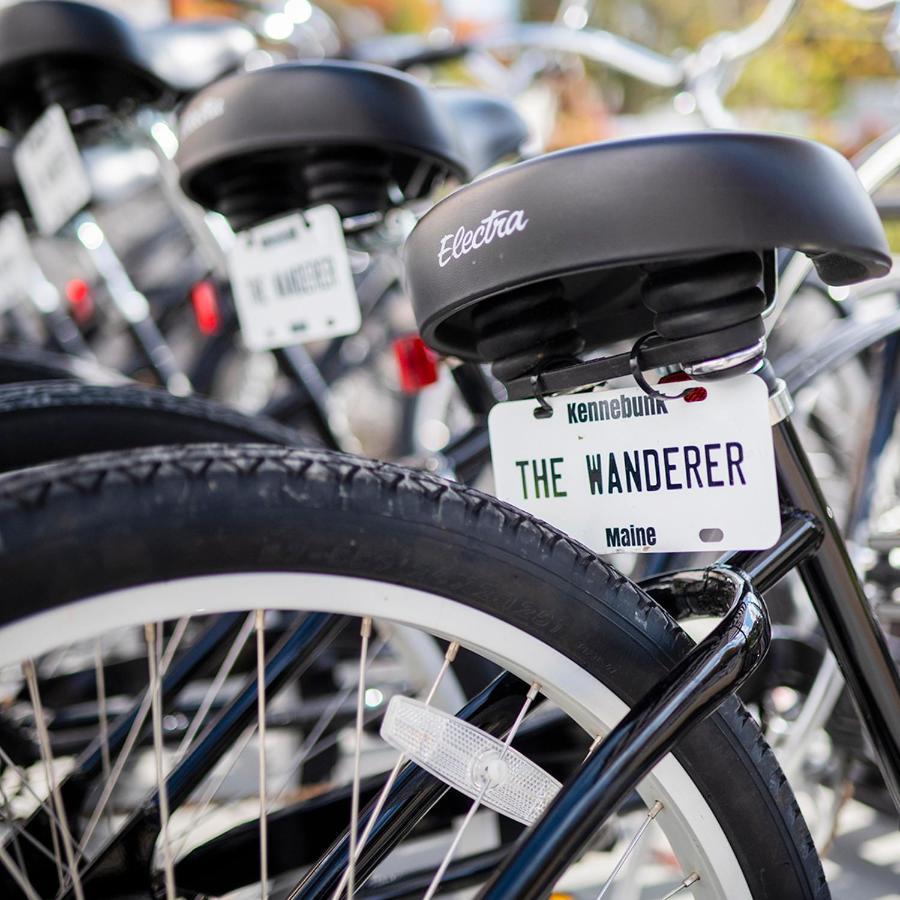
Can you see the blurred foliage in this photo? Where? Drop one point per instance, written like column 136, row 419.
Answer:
column 826, row 46
column 404, row 15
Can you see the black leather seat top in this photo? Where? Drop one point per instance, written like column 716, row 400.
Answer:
column 75, row 54
column 189, row 55
column 487, row 127
column 293, row 135
column 591, row 217
column 82, row 56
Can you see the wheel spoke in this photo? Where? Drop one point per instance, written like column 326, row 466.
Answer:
column 19, row 831
column 691, row 879
column 310, row 748
column 449, row 657
column 51, row 664
column 100, row 678
column 365, row 633
column 47, row 756
column 203, row 804
column 17, row 875
column 216, row 686
column 155, row 689
column 44, row 807
column 133, row 734
column 236, row 724
column 652, row 813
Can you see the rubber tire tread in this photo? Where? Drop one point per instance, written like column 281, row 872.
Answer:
column 53, row 420
column 75, row 529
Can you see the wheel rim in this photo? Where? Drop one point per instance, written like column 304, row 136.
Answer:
column 687, row 821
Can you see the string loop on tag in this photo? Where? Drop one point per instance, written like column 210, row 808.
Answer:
column 544, row 410
column 634, row 363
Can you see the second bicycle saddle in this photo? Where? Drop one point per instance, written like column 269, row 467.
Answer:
column 90, row 60
column 600, row 243
column 193, row 53
column 359, row 137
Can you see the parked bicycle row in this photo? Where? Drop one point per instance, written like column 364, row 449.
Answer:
column 365, row 471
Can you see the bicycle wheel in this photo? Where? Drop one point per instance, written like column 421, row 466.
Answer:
column 156, row 535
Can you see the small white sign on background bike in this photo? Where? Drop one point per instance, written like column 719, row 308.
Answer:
column 292, row 280
column 51, row 172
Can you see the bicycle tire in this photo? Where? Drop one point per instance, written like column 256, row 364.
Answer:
column 52, row 420
column 78, row 529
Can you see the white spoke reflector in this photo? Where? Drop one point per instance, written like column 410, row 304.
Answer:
column 467, row 758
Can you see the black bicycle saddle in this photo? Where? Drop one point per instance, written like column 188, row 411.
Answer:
column 295, row 135
column 602, row 242
column 89, row 59
column 189, row 55
column 74, row 54
column 488, row 128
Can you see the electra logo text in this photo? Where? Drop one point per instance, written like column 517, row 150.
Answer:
column 501, row 223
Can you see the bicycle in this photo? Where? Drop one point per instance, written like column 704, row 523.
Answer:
column 828, row 380
column 210, row 526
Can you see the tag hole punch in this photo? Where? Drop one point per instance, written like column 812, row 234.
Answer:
column 711, row 535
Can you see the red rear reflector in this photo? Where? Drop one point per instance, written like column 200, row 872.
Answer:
column 206, row 307
column 416, row 364
column 78, row 293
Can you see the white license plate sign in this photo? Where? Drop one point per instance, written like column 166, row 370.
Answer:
column 623, row 472
column 51, row 172
column 292, row 281
column 16, row 261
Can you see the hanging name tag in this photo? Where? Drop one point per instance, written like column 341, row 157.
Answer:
column 51, row 172
column 624, row 472
column 292, row 281
column 16, row 261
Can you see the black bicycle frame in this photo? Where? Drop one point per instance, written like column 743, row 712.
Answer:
column 844, row 610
